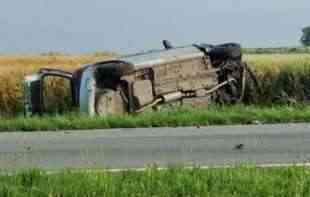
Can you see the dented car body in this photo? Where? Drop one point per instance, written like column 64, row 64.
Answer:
column 195, row 74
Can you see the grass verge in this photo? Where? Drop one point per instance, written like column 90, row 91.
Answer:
column 183, row 116
column 242, row 181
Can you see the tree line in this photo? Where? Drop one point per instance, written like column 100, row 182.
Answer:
column 305, row 39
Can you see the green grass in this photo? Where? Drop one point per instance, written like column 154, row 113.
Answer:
column 183, row 116
column 277, row 50
column 241, row 181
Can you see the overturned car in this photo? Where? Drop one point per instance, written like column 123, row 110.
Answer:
column 198, row 74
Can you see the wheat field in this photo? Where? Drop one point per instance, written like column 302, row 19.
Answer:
column 284, row 78
column 14, row 68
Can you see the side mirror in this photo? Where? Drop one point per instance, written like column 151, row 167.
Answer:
column 167, row 44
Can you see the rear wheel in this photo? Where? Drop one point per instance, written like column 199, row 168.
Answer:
column 109, row 102
column 243, row 88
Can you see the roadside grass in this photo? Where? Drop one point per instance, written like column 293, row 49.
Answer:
column 176, row 181
column 171, row 117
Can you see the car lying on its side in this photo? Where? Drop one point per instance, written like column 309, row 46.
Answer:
column 198, row 74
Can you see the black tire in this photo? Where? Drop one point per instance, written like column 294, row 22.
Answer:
column 228, row 95
column 224, row 52
column 243, row 88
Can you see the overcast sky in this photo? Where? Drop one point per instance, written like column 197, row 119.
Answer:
column 126, row 26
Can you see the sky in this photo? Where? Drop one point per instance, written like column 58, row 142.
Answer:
column 85, row 26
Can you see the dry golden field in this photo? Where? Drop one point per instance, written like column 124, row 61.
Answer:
column 284, row 78
column 14, row 68
column 282, row 75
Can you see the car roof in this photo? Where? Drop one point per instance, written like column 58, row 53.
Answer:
column 150, row 59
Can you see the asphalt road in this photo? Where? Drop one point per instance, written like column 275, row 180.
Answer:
column 136, row 148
